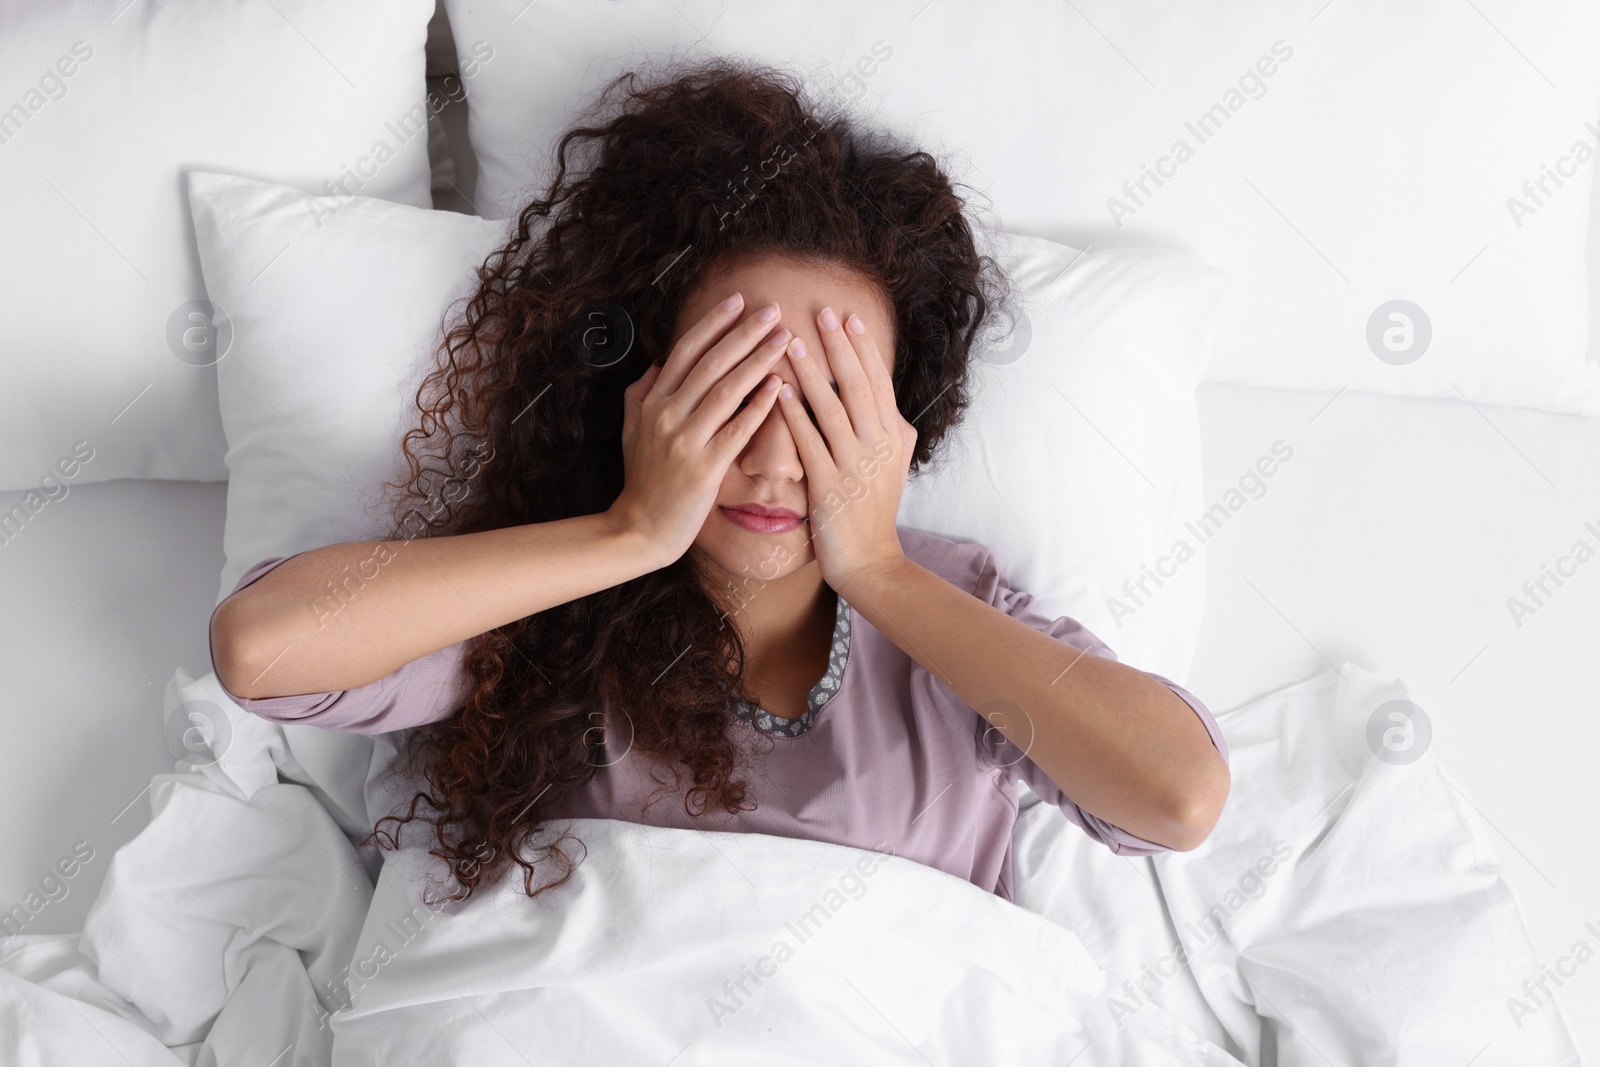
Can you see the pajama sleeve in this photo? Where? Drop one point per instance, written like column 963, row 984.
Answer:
column 427, row 689
column 992, row 586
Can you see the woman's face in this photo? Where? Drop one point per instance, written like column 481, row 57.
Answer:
column 769, row 471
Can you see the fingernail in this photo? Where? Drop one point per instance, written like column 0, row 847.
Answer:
column 797, row 348
column 733, row 302
column 768, row 313
column 855, row 325
column 830, row 321
column 779, row 339
column 787, row 392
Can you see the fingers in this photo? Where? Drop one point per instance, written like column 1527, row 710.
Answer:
column 725, row 395
column 633, row 400
column 876, row 369
column 681, row 360
column 856, row 391
column 722, row 354
column 808, row 440
column 743, row 426
column 831, row 415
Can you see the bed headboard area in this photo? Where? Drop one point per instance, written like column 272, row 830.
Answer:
column 1295, row 146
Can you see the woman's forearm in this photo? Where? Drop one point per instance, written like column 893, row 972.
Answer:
column 344, row 615
column 1124, row 746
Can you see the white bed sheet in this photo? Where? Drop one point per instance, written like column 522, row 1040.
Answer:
column 107, row 591
column 1391, row 539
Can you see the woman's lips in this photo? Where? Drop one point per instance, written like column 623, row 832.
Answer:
column 780, row 519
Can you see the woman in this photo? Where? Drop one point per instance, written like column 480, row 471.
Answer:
column 632, row 578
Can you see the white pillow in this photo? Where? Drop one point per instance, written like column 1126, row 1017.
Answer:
column 333, row 340
column 332, row 343
column 1360, row 153
column 103, row 106
column 1078, row 461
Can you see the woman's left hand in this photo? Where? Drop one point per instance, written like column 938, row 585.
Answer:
column 855, row 475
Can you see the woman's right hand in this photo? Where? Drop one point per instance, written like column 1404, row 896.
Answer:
column 682, row 423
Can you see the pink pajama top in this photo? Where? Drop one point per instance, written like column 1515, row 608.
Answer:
column 886, row 757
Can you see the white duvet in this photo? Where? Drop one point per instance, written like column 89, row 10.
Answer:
column 1316, row 926
column 683, row 947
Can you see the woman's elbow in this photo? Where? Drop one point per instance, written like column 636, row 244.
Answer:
column 1196, row 811
column 232, row 657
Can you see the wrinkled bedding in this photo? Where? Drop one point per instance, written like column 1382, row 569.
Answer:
column 1316, row 926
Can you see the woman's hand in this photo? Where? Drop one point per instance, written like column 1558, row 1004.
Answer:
column 855, row 475
column 679, row 427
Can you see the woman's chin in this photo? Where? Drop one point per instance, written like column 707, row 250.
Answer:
column 758, row 557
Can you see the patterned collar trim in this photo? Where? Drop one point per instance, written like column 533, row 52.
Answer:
column 821, row 693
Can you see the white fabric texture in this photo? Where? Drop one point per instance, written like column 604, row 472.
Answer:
column 1331, row 161
column 242, row 924
column 216, row 924
column 242, row 919
column 1354, row 903
column 104, row 105
column 689, row 947
column 335, row 337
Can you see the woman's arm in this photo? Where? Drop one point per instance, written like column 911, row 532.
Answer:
column 1129, row 749
column 345, row 615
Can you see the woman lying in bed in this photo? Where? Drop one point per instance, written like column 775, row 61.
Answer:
column 645, row 565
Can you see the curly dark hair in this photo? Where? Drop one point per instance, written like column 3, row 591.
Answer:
column 652, row 189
